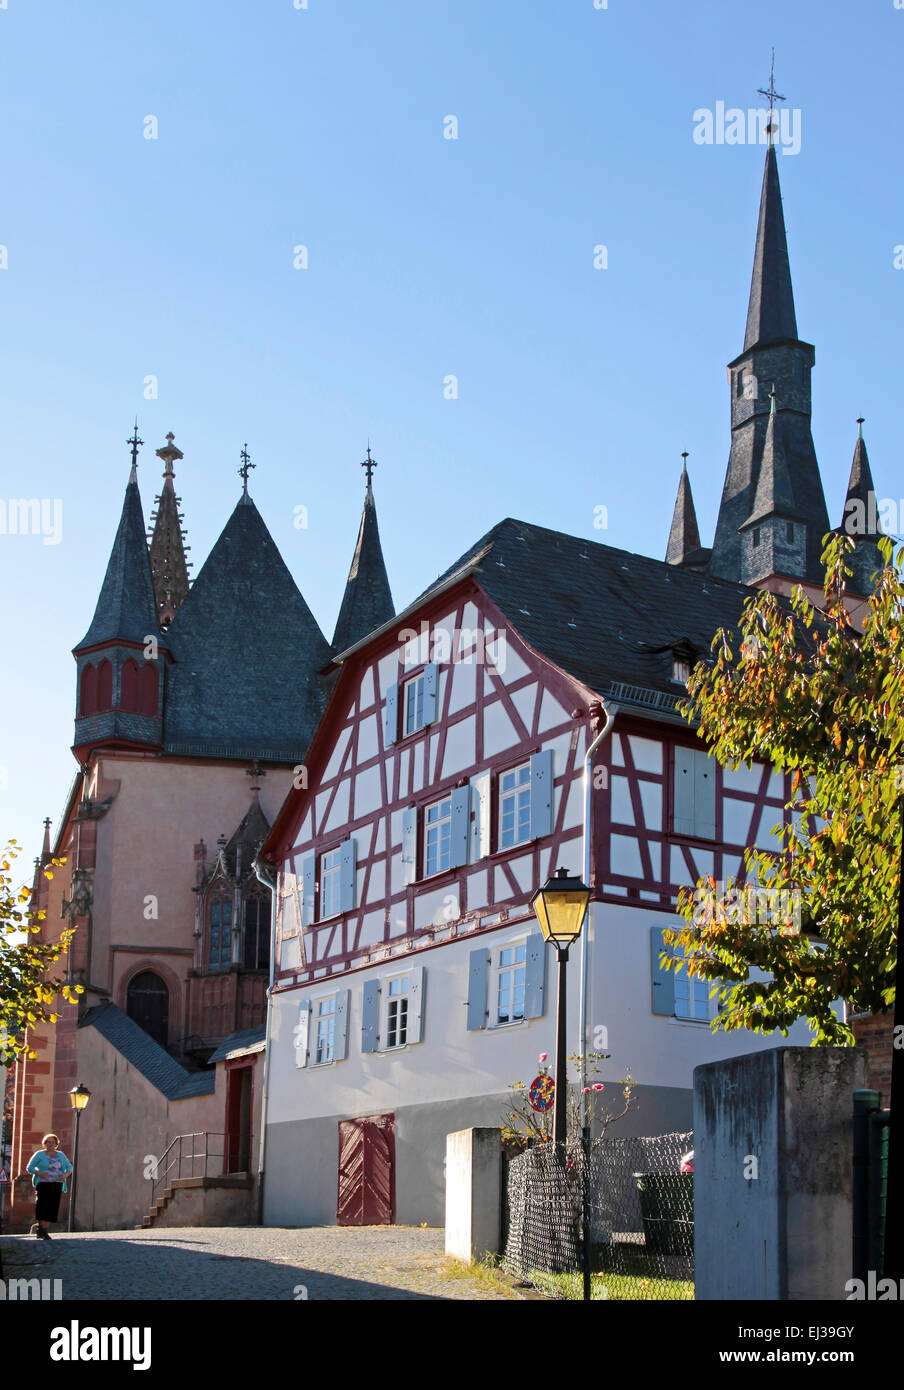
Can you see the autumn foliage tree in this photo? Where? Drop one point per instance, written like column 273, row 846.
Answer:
column 807, row 691
column 27, row 990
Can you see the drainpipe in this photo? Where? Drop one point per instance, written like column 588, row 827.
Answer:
column 269, row 883
column 610, row 712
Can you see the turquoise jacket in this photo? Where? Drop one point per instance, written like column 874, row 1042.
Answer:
column 40, row 1162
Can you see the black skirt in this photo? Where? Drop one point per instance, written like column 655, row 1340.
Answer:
column 47, row 1205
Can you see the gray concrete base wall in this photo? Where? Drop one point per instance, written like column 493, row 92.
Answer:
column 300, row 1183
column 211, row 1206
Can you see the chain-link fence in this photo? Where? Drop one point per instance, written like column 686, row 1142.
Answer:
column 640, row 1218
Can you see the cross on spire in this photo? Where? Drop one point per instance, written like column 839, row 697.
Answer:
column 135, row 442
column 773, row 96
column 369, row 463
column 244, row 470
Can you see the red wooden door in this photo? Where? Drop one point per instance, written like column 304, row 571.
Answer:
column 366, row 1172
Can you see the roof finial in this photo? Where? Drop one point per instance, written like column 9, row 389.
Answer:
column 135, row 442
column 169, row 453
column 772, row 400
column 685, row 456
column 243, row 471
column 860, row 423
column 773, row 96
column 369, row 463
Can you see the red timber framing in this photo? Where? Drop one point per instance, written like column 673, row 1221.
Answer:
column 358, row 786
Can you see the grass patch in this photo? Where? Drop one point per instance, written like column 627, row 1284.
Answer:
column 484, row 1273
column 615, row 1287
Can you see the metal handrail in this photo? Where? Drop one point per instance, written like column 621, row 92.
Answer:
column 169, row 1161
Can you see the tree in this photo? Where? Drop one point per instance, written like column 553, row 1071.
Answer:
column 27, row 993
column 815, row 920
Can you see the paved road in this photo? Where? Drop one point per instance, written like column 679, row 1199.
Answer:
column 250, row 1262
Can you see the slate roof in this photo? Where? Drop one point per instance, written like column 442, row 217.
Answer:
column 147, row 1056
column 606, row 616
column 239, row 1042
column 248, row 649
column 770, row 312
column 126, row 607
column 774, row 491
column 861, row 509
column 367, row 601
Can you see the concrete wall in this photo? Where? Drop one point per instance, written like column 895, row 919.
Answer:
column 473, row 1193
column 211, row 1204
column 773, row 1174
column 126, row 1121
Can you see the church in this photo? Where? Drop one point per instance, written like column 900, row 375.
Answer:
column 301, row 869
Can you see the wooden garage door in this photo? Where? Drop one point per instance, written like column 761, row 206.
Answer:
column 366, row 1172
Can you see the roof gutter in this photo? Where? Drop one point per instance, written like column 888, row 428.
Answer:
column 610, row 711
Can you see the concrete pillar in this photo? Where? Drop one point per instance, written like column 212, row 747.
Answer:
column 473, row 1193
column 773, row 1152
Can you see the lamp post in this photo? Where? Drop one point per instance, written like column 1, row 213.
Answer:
column 79, row 1095
column 560, row 906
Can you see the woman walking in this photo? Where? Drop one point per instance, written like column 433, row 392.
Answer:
column 49, row 1166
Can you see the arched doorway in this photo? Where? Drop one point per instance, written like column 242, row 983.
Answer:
column 147, row 1002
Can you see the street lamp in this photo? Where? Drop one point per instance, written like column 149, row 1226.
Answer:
column 79, row 1095
column 560, row 906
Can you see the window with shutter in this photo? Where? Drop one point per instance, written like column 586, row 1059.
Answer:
column 694, row 794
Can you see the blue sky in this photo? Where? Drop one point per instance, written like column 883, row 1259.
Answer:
column 427, row 257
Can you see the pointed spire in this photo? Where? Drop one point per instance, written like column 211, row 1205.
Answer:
column 770, row 314
column 46, row 854
column 861, row 520
column 367, row 601
column 684, row 537
column 126, row 608
column 169, row 567
column 774, row 492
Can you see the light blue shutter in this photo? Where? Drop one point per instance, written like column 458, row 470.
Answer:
column 535, row 977
column 477, row 989
column 461, row 825
column 480, row 819
column 308, row 883
column 704, row 795
column 370, row 1015
column 301, row 1032
column 684, row 789
column 340, row 1036
column 431, row 693
column 347, row 883
column 409, row 844
column 663, row 981
column 391, row 715
column 416, row 1005
column 541, row 794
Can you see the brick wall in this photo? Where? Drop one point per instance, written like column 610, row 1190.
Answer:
column 874, row 1035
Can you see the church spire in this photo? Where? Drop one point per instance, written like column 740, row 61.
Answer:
column 169, row 567
column 367, row 601
column 770, row 312
column 861, row 520
column 684, row 537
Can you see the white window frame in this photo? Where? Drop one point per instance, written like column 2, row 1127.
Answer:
column 697, row 993
column 513, row 794
column 497, row 970
column 330, row 873
column 387, row 998
column 414, row 690
column 316, row 1018
column 444, row 820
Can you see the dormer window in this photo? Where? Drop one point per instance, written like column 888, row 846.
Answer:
column 756, row 536
column 681, row 669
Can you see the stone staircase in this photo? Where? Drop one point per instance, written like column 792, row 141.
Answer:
column 204, row 1202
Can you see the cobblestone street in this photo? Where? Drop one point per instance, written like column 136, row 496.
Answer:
column 321, row 1262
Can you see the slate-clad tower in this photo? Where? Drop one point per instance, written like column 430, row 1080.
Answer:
column 367, row 601
column 774, row 357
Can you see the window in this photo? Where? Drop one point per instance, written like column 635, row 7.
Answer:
column 674, row 993
column 692, row 997
column 256, row 944
column 128, row 686
column 510, row 978
column 330, row 882
column 413, row 716
column 790, row 530
column 438, row 836
column 395, row 1031
column 219, row 953
column 740, row 383
column 105, row 685
column 694, row 794
column 147, row 1004
column 681, row 669
column 514, row 806
column 88, row 702
column 325, row 1036
column 756, row 536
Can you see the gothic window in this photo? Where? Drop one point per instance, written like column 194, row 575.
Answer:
column 256, row 948
column 88, row 699
column 147, row 1003
column 128, row 687
column 790, row 530
column 104, row 685
column 740, row 383
column 219, row 950
column 147, row 689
